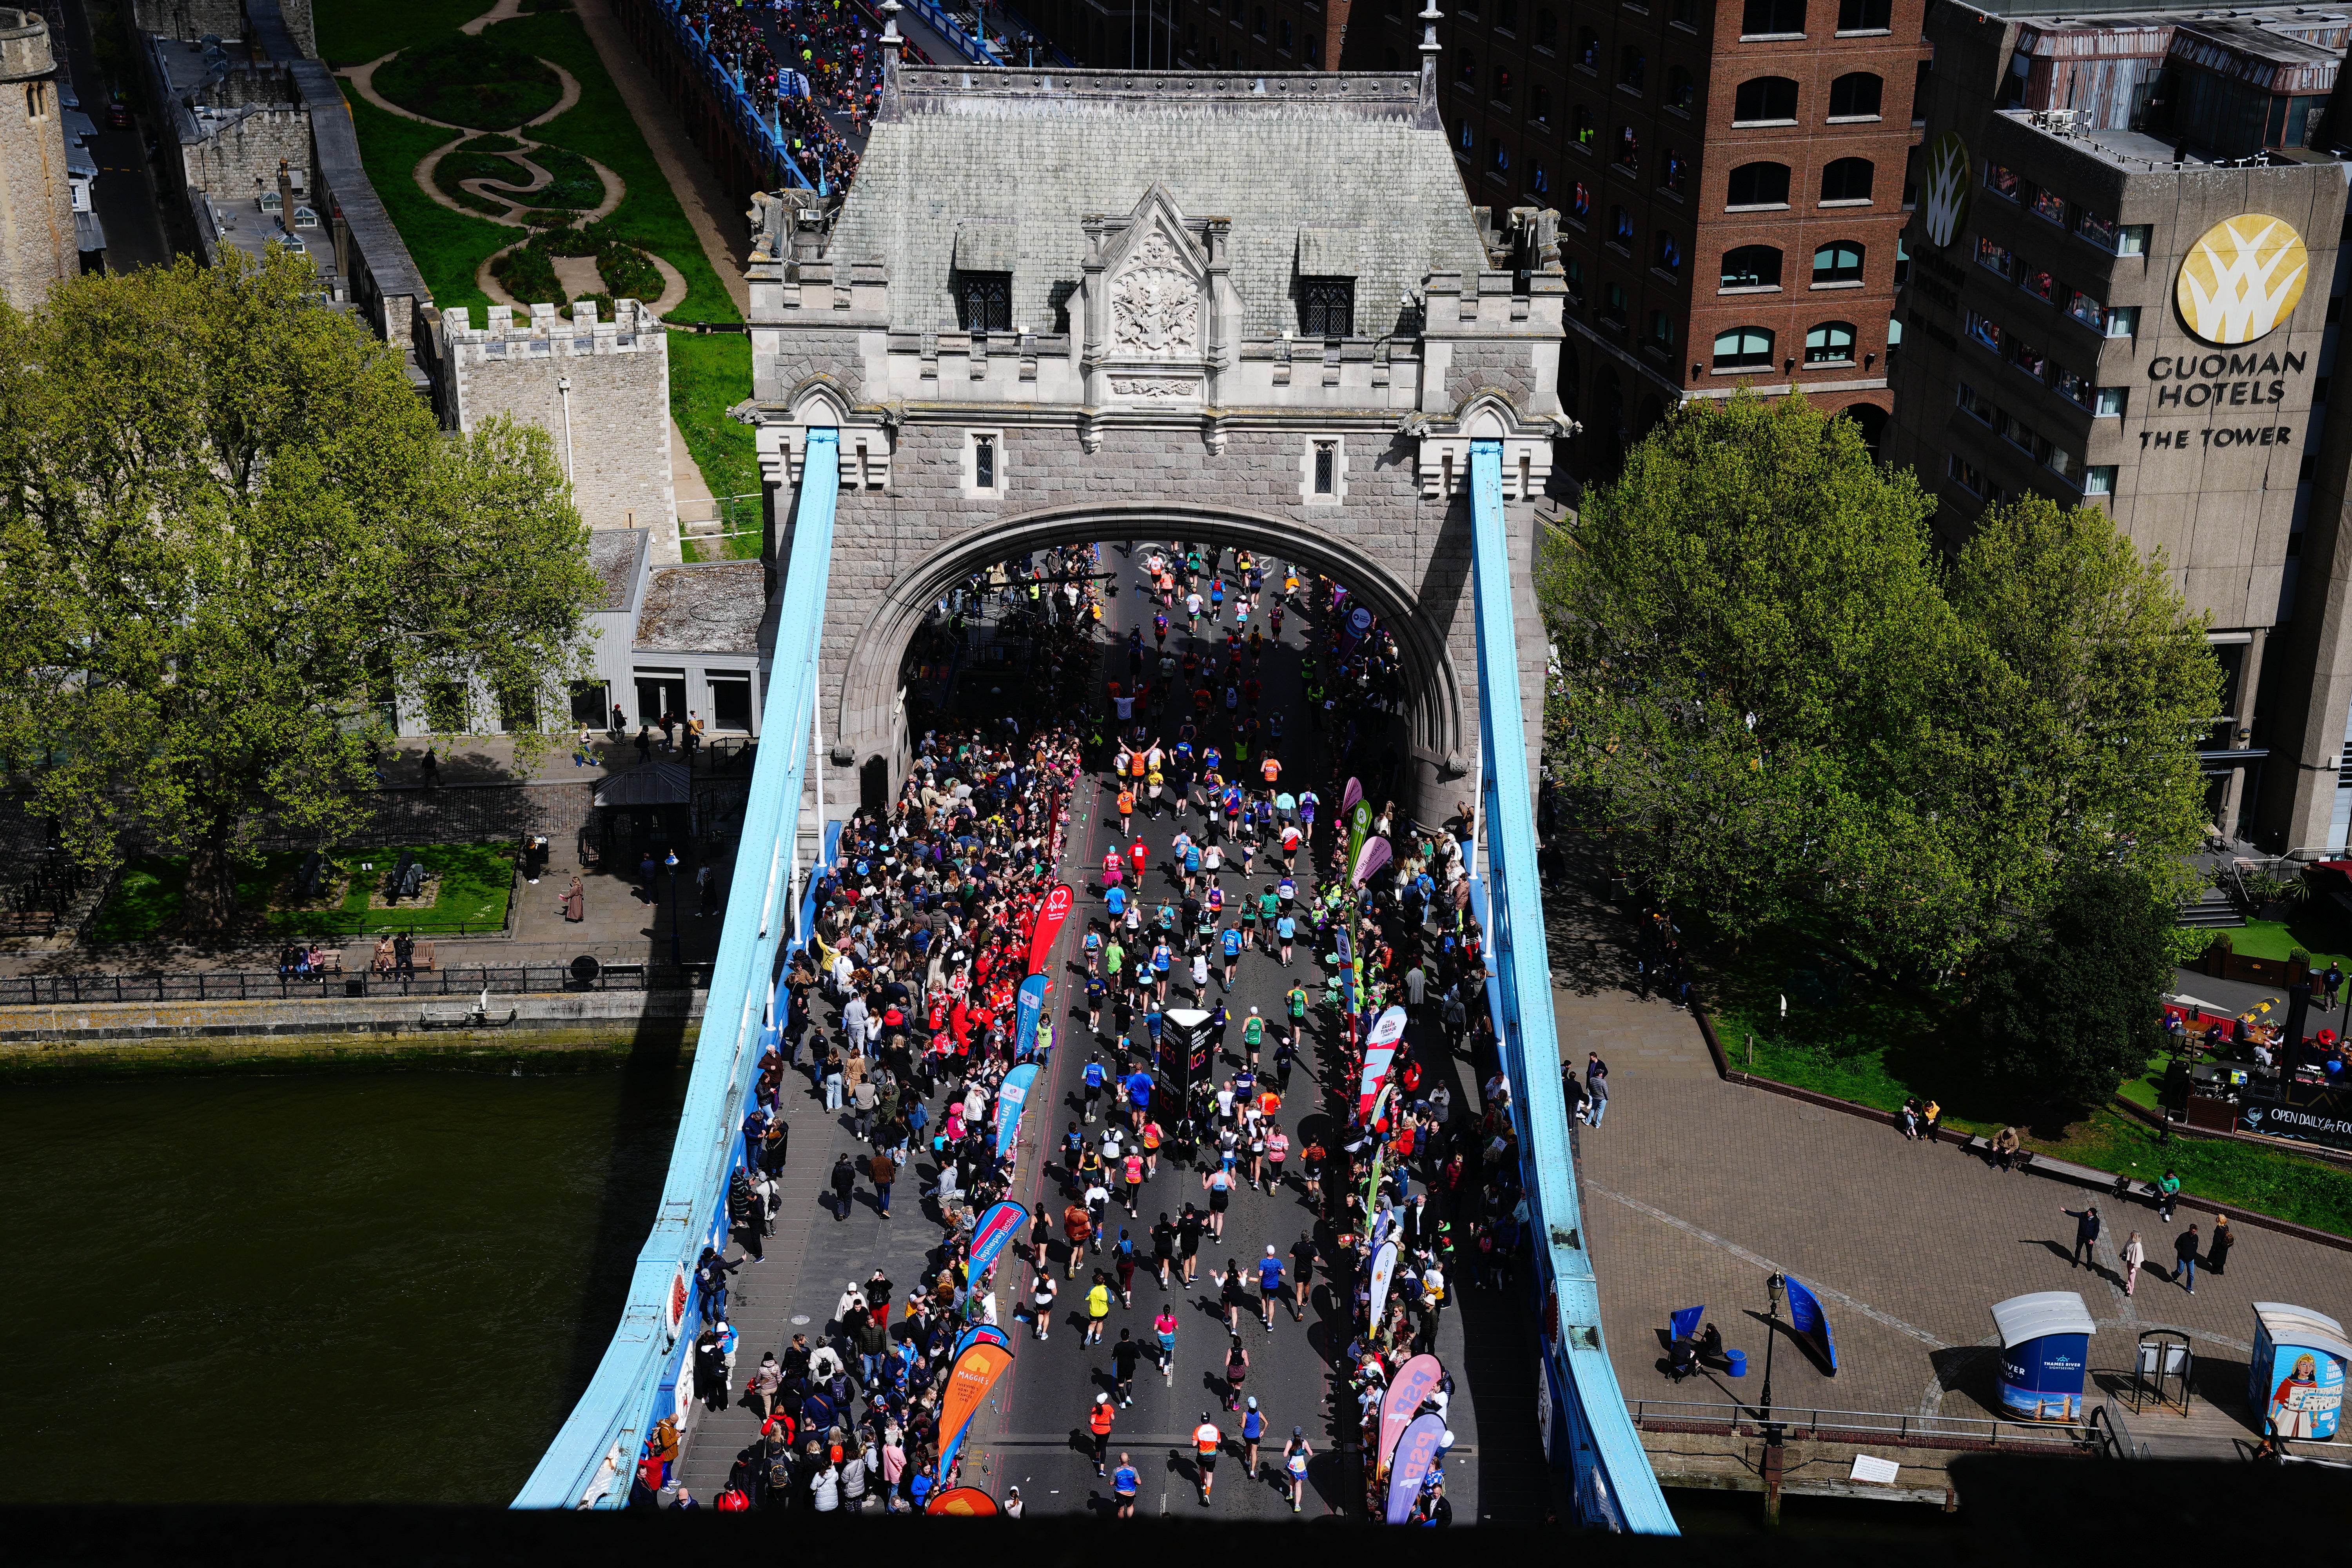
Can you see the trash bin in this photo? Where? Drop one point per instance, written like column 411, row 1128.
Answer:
column 1737, row 1363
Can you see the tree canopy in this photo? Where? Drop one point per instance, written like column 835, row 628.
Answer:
column 233, row 532
column 1784, row 707
column 2069, row 1004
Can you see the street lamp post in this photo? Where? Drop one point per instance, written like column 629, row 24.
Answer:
column 1774, row 1457
column 676, row 959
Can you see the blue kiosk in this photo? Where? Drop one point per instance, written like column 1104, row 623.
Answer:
column 2295, row 1385
column 2045, row 1348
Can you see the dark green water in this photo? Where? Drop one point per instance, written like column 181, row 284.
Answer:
column 337, row 1289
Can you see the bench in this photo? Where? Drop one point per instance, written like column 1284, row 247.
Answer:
column 2068, row 1171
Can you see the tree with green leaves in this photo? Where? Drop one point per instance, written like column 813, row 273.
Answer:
column 233, row 533
column 1782, row 707
column 2070, row 1003
column 2090, row 756
column 1757, row 671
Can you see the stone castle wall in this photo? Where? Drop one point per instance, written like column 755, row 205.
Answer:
column 189, row 20
column 618, row 402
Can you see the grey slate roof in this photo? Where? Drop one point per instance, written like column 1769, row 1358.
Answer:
column 1022, row 154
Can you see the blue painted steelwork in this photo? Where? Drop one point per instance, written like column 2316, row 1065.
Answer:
column 975, row 51
column 1592, row 1435
column 765, row 137
column 594, row 1457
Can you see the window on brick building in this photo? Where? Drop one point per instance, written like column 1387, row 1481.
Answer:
column 1315, row 50
column 1260, row 28
column 1327, row 307
column 1579, row 201
column 1582, row 127
column 1864, row 15
column 1669, row 253
column 1762, row 185
column 1547, row 30
column 1502, row 156
column 1662, row 331
column 1674, row 174
column 1620, row 225
column 1855, row 96
column 1466, row 70
column 1679, row 92
column 1500, row 89
column 1838, row 261
column 1538, row 181
column 1772, row 16
column 1614, row 305
column 1506, row 15
column 984, row 301
column 1847, row 180
column 1588, row 48
column 1743, row 348
column 1766, row 98
column 1285, row 45
column 1633, row 67
column 1831, row 342
column 1751, row 266
column 1575, row 274
column 1540, row 104
column 1629, row 148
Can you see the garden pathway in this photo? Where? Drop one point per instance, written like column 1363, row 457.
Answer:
column 717, row 224
column 673, row 284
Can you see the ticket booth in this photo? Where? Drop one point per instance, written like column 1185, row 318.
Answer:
column 2297, row 1384
column 2046, row 1347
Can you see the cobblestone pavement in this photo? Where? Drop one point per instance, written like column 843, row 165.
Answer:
column 1695, row 1189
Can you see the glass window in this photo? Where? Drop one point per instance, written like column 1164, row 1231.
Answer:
column 2099, row 480
column 1751, row 266
column 2132, row 239
column 1670, row 253
column 984, row 301
column 1855, row 96
column 1987, row 332
column 2087, row 311
column 1678, row 88
column 1633, row 67
column 1574, row 269
column 1968, row 474
column 2109, row 402
column 1676, row 173
column 983, row 462
column 1864, row 15
column 1538, row 181
column 1326, row 466
column 2122, row 321
column 2028, row 358
column 1974, row 403
column 1847, row 180
column 1583, row 127
column 1629, row 149
column 1840, row 261
column 2001, row 182
column 1662, row 329
column 1764, row 97
column 1614, row 304
column 1831, row 342
column 2099, row 231
column 2072, row 385
column 2040, row 282
column 2052, row 205
column 1588, row 48
column 1768, row 17
column 1540, row 104
column 1760, row 184
column 1620, row 225
column 1547, row 29
column 1996, row 257
column 1506, row 14
column 1500, row 91
column 1327, row 307
column 1579, row 200
column 1743, row 348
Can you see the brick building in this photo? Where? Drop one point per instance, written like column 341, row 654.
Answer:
column 1732, row 175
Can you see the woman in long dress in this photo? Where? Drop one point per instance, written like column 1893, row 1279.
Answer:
column 575, row 901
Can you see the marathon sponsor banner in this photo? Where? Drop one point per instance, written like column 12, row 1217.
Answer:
column 970, row 1380
column 1009, row 1099
column 997, row 1227
column 1416, row 1452
column 1351, row 795
column 1384, row 1264
column 1050, row 916
column 1414, row 1383
column 1374, row 854
column 1380, row 1053
column 980, row 1334
column 967, row 1502
column 1359, row 828
column 1028, row 1007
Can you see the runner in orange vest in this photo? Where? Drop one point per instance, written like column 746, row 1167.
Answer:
column 1098, row 1423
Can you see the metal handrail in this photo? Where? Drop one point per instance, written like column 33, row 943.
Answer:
column 264, row 986
column 1989, row 1429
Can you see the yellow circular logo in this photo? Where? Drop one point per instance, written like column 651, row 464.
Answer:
column 2242, row 279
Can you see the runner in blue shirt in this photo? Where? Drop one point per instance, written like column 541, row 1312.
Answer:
column 1286, row 930
column 1124, row 1483
column 1094, row 1080
column 1253, row 1431
column 1307, row 804
column 1269, row 1285
column 1232, row 942
column 1139, row 1096
column 1115, row 900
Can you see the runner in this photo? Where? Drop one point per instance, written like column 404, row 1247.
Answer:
column 1294, row 1455
column 1125, row 1483
column 1098, row 1422
column 1207, row 1438
column 1269, row 1283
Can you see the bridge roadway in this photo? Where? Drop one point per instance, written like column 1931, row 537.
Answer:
column 1032, row 1434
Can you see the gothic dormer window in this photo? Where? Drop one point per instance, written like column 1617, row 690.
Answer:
column 1327, row 307
column 984, row 301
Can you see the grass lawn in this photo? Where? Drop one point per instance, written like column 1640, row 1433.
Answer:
column 474, row 882
column 1877, row 1047
column 354, row 32
column 708, row 374
column 2318, row 928
column 449, row 247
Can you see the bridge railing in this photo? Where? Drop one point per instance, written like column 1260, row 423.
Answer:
column 727, row 86
column 1593, row 1439
column 595, row 1455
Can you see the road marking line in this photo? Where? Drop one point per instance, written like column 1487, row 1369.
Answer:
column 1867, row 1310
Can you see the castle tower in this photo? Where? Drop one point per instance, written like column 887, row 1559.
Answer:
column 36, row 221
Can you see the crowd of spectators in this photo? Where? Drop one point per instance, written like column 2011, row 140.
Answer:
column 776, row 46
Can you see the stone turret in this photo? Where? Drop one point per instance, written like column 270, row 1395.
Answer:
column 36, row 220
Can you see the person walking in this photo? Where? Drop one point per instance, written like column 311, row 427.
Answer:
column 1098, row 1422
column 2086, row 1234
column 2184, row 1258
column 1596, row 1091
column 844, row 1183
column 884, row 1171
column 2134, row 1254
column 1294, row 1455
column 2217, row 1251
column 1207, row 1438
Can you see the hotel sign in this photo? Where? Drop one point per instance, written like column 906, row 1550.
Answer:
column 2242, row 279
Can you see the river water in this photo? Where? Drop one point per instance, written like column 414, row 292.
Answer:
column 378, row 1287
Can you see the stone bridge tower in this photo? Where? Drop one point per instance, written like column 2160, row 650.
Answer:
column 1256, row 310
